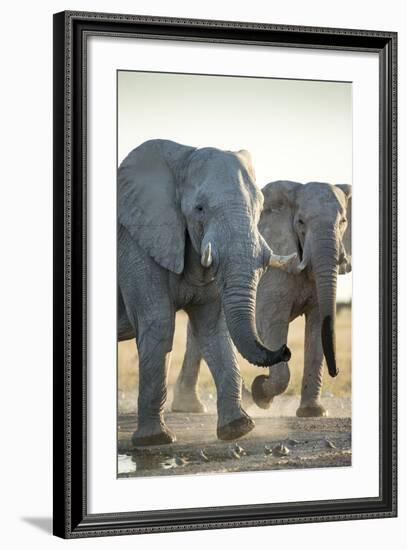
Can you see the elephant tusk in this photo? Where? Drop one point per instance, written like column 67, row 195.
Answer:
column 306, row 256
column 206, row 258
column 301, row 266
column 281, row 261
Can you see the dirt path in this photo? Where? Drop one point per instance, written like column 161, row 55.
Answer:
column 277, row 442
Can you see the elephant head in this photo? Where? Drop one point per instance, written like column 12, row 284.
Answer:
column 315, row 220
column 172, row 196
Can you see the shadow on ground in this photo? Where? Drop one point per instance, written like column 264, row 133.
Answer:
column 42, row 523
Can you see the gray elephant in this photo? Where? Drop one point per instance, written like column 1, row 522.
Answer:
column 188, row 239
column 315, row 220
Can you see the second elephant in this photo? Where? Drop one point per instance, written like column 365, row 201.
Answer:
column 315, row 220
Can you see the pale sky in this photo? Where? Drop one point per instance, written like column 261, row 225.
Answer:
column 294, row 129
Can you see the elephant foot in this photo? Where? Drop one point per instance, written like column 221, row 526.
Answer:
column 143, row 439
column 261, row 399
column 236, row 428
column 187, row 401
column 265, row 388
column 308, row 411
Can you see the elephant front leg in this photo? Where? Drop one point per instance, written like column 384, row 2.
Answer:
column 310, row 405
column 209, row 328
column 154, row 345
column 186, row 398
column 265, row 388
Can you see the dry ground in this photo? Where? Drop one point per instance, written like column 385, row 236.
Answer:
column 275, row 444
column 280, row 440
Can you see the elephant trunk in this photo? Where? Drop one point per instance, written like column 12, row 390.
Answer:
column 325, row 253
column 239, row 295
column 321, row 257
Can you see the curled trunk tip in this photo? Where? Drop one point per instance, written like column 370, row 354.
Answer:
column 239, row 309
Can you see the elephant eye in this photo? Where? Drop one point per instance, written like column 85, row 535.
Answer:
column 300, row 221
column 199, row 208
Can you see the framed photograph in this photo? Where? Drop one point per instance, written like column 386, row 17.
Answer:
column 225, row 278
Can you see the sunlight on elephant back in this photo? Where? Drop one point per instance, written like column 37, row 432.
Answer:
column 339, row 386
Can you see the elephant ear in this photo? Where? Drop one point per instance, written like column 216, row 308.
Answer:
column 347, row 236
column 276, row 221
column 247, row 160
column 148, row 203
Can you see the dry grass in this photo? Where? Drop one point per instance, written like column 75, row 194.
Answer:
column 340, row 386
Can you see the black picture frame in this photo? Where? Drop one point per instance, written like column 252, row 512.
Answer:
column 71, row 30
